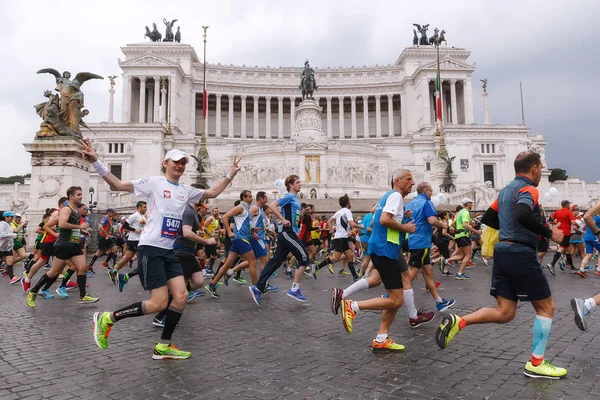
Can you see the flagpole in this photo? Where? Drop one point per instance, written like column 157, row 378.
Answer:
column 439, row 131
column 522, row 108
column 203, row 149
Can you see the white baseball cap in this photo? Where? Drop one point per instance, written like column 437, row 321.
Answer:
column 176, row 155
column 467, row 200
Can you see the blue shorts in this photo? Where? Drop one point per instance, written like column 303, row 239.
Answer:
column 518, row 275
column 240, row 246
column 590, row 245
column 259, row 248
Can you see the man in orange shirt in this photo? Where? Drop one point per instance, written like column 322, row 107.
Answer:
column 563, row 218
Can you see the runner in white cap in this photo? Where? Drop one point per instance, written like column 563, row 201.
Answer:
column 159, row 271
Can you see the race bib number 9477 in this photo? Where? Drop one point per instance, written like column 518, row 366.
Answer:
column 170, row 226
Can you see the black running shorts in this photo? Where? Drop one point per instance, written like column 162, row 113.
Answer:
column 157, row 266
column 566, row 241
column 390, row 270
column 67, row 251
column 132, row 245
column 105, row 244
column 463, row 241
column 519, row 276
column 419, row 257
column 189, row 263
column 341, row 245
column 46, row 250
column 210, row 250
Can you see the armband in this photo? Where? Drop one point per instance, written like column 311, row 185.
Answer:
column 100, row 168
column 228, row 176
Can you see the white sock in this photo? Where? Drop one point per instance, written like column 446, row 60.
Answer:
column 438, row 300
column 409, row 300
column 357, row 286
column 354, row 306
column 295, row 287
column 27, row 280
column 381, row 337
column 589, row 304
column 229, row 272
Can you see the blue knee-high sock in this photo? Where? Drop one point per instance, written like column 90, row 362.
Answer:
column 541, row 332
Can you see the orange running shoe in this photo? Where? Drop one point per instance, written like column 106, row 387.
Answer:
column 387, row 346
column 348, row 315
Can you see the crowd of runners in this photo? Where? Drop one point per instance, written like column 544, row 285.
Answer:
column 178, row 246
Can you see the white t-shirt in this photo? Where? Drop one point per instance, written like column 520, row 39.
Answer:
column 395, row 206
column 136, row 221
column 342, row 224
column 166, row 204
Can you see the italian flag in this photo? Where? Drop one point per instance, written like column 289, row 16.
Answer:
column 438, row 97
column 204, row 104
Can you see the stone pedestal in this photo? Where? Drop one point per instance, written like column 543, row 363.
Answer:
column 308, row 123
column 56, row 165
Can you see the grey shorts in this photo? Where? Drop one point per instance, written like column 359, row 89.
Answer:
column 157, row 266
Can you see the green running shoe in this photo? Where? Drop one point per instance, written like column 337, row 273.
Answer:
column 169, row 352
column 240, row 280
column 102, row 327
column 447, row 330
column 31, row 299
column 544, row 370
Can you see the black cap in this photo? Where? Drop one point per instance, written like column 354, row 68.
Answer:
column 565, row 203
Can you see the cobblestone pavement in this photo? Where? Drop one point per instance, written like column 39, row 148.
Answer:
column 285, row 349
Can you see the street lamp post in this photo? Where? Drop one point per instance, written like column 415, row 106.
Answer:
column 93, row 204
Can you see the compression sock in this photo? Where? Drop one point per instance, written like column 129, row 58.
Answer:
column 50, row 282
column 324, row 263
column 81, row 283
column 94, row 258
column 555, row 258
column 10, row 271
column 357, row 286
column 173, row 316
column 409, row 300
column 541, row 332
column 66, row 277
column 352, row 270
column 133, row 272
column 134, row 310
column 570, row 260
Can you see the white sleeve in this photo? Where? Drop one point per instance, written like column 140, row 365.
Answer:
column 132, row 219
column 393, row 204
column 143, row 187
column 349, row 215
column 194, row 195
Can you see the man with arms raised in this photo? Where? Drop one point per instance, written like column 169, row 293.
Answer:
column 160, row 273
column 517, row 274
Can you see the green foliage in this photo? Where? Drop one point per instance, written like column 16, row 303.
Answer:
column 14, row 178
column 557, row 174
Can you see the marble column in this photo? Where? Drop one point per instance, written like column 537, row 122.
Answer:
column 486, row 116
column 172, row 100
column 329, row 118
column 163, row 106
column 468, row 91
column 255, row 116
column 142, row 110
column 268, row 118
column 193, row 113
column 453, row 101
column 292, row 114
column 126, row 112
column 366, row 116
column 390, row 115
column 353, row 113
column 230, row 133
column 403, row 113
column 150, row 104
column 243, row 117
column 218, row 116
column 341, row 116
column 156, row 99
column 111, row 104
column 280, row 117
column 426, row 103
column 377, row 116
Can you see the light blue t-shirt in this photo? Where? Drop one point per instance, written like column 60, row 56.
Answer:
column 290, row 209
column 366, row 222
column 422, row 208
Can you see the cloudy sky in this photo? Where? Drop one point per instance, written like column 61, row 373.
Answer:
column 551, row 46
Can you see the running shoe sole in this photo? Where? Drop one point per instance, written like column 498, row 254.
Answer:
column 582, row 274
column 579, row 317
column 442, row 333
column 537, row 376
column 377, row 350
column 161, row 357
column 335, row 304
column 295, row 298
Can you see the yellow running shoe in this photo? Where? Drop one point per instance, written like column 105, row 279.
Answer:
column 388, row 346
column 169, row 352
column 544, row 370
column 88, row 299
column 331, row 268
column 447, row 330
column 348, row 315
column 31, row 299
column 102, row 327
